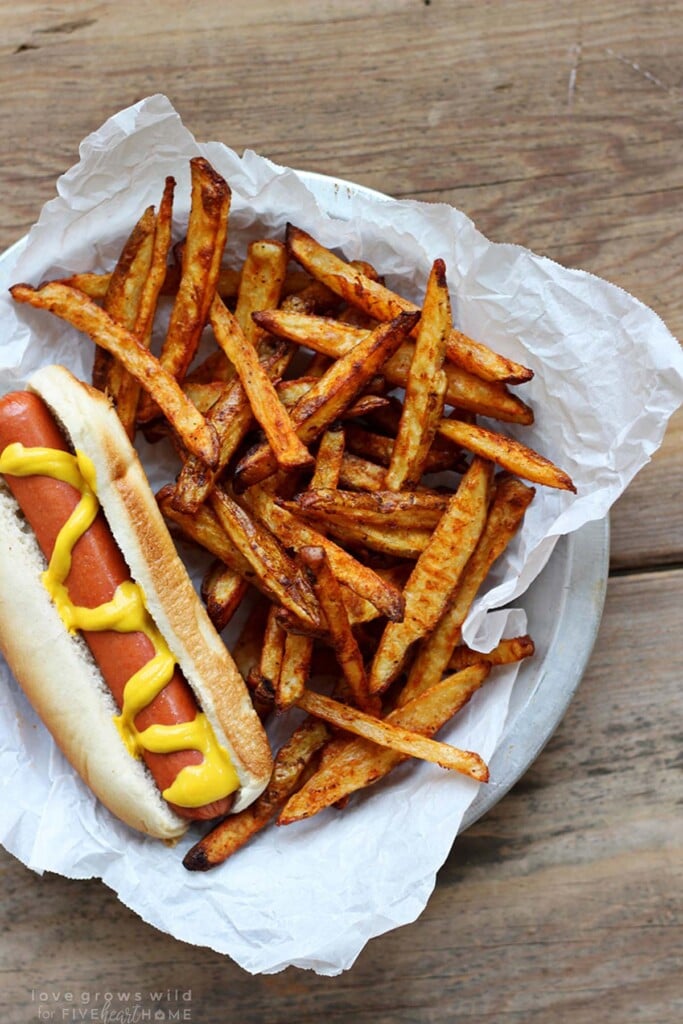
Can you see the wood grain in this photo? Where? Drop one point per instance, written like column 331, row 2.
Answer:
column 568, row 896
column 555, row 126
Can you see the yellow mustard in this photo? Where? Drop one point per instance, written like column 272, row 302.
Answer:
column 195, row 785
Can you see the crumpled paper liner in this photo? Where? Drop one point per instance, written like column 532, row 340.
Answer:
column 608, row 375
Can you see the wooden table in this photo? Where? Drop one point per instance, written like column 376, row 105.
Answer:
column 557, row 126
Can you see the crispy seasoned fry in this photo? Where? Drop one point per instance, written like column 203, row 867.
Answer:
column 387, row 732
column 330, row 395
column 246, row 651
column 294, row 670
column 81, row 312
column 425, row 387
column 122, row 298
column 294, row 534
column 289, row 451
column 203, row 250
column 213, row 368
column 379, row 302
column 482, row 361
column 415, row 509
column 329, row 458
column 506, row 452
column 378, row 448
column 125, row 387
column 436, row 573
column 339, row 635
column 223, row 590
column 506, row 652
column 231, row 417
column 204, row 529
column 360, row 473
column 264, row 680
column 277, row 574
column 509, row 504
column 261, row 282
column 351, row 764
column 205, row 396
column 93, row 285
column 290, row 765
column 467, row 391
column 313, row 297
column 366, row 405
column 399, row 542
column 335, row 338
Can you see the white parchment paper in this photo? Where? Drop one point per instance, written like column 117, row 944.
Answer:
column 608, row 375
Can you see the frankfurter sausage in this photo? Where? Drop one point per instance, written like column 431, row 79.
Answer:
column 97, row 569
column 201, row 769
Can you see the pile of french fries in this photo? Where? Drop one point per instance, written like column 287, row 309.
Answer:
column 332, row 465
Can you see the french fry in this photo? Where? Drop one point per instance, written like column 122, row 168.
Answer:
column 298, row 649
column 312, row 297
column 215, row 366
column 351, row 764
column 506, row 652
column 399, row 542
column 91, row 284
column 379, row 302
column 330, row 395
column 425, row 387
column 329, row 458
column 259, row 286
column 125, row 387
column 294, row 670
column 387, row 733
column 203, row 250
column 231, row 417
column 436, row 573
column 506, row 452
column 360, row 474
column 261, row 283
column 335, row 338
column 264, row 680
column 275, row 572
column 508, row 506
column 204, row 528
column 378, row 448
column 289, row 451
column 246, row 650
column 415, row 509
column 295, row 534
column 289, row 767
column 205, row 396
column 122, row 298
column 82, row 313
column 222, row 591
column 338, row 629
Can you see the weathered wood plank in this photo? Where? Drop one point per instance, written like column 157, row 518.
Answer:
column 565, row 900
column 555, row 126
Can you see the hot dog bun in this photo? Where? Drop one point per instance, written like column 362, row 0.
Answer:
column 57, row 671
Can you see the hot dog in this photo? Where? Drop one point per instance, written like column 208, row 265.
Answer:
column 101, row 559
